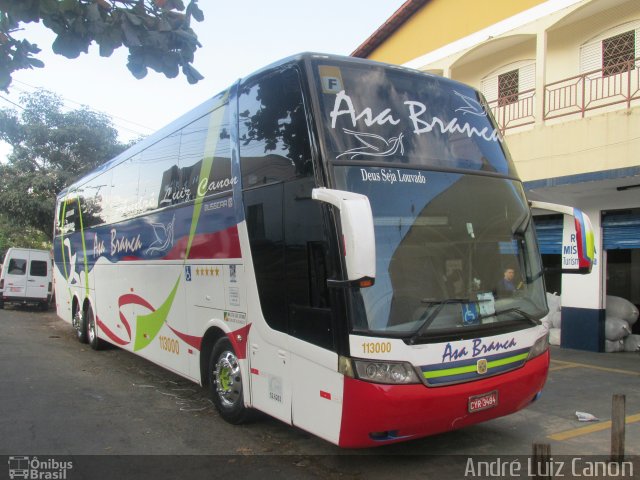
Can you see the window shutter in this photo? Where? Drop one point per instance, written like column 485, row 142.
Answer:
column 490, row 88
column 527, row 77
column 591, row 57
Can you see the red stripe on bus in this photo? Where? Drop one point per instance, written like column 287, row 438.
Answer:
column 222, row 244
column 238, row 339
column 195, row 342
column 255, row 371
column 112, row 336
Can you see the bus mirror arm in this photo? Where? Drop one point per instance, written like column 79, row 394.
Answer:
column 578, row 245
column 358, row 240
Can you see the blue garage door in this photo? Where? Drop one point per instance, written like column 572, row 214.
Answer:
column 549, row 233
column 621, row 230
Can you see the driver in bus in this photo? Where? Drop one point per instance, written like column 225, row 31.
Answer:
column 506, row 286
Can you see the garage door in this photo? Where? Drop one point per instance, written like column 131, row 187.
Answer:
column 621, row 230
column 549, row 233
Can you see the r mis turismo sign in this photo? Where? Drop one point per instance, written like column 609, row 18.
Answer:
column 578, row 246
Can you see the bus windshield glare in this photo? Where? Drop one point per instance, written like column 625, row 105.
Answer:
column 455, row 245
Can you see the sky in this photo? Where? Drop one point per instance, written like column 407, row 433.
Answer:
column 237, row 38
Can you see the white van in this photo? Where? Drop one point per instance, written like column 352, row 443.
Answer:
column 26, row 277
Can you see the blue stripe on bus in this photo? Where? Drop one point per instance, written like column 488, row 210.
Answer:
column 473, row 361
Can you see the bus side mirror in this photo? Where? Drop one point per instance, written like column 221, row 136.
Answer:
column 578, row 245
column 358, row 240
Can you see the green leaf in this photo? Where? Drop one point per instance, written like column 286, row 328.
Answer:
column 195, row 12
column 176, row 4
column 93, row 13
column 36, row 63
column 134, row 19
column 106, row 49
column 5, row 80
column 193, row 76
column 130, row 36
column 67, row 45
column 68, row 5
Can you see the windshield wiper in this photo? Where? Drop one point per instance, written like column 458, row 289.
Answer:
column 520, row 312
column 430, row 315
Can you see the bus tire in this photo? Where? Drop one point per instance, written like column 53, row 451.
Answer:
column 225, row 383
column 80, row 325
column 92, row 333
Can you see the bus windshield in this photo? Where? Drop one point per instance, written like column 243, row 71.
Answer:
column 453, row 251
column 387, row 115
column 455, row 247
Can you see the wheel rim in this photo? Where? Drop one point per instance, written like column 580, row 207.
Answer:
column 92, row 329
column 227, row 379
column 77, row 322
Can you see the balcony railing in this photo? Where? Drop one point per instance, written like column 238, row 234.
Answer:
column 591, row 90
column 571, row 96
column 514, row 110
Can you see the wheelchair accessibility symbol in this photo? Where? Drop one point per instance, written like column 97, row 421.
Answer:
column 470, row 314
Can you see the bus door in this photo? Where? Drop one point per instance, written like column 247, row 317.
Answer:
column 268, row 341
column 317, row 388
column 292, row 354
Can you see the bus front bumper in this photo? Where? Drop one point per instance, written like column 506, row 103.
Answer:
column 375, row 414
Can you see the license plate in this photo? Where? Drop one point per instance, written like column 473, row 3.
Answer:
column 483, row 402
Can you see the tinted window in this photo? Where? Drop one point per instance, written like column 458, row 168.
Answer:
column 38, row 268
column 158, row 173
column 274, row 142
column 205, row 157
column 68, row 216
column 17, row 266
column 383, row 114
column 124, row 190
column 94, row 200
column 264, row 215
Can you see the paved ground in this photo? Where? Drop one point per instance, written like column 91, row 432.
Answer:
column 60, row 398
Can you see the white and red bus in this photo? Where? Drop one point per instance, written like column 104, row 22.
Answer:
column 325, row 242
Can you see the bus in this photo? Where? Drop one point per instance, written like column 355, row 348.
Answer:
column 322, row 242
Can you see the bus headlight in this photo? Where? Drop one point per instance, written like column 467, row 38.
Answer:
column 393, row 373
column 541, row 346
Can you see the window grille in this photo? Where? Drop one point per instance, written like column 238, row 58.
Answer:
column 617, row 53
column 508, row 87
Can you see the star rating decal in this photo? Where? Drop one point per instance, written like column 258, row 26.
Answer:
column 207, row 272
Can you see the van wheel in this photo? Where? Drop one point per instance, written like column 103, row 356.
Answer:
column 225, row 383
column 92, row 333
column 79, row 323
column 44, row 306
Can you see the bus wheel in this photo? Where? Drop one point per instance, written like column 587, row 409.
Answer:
column 92, row 334
column 79, row 323
column 225, row 383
